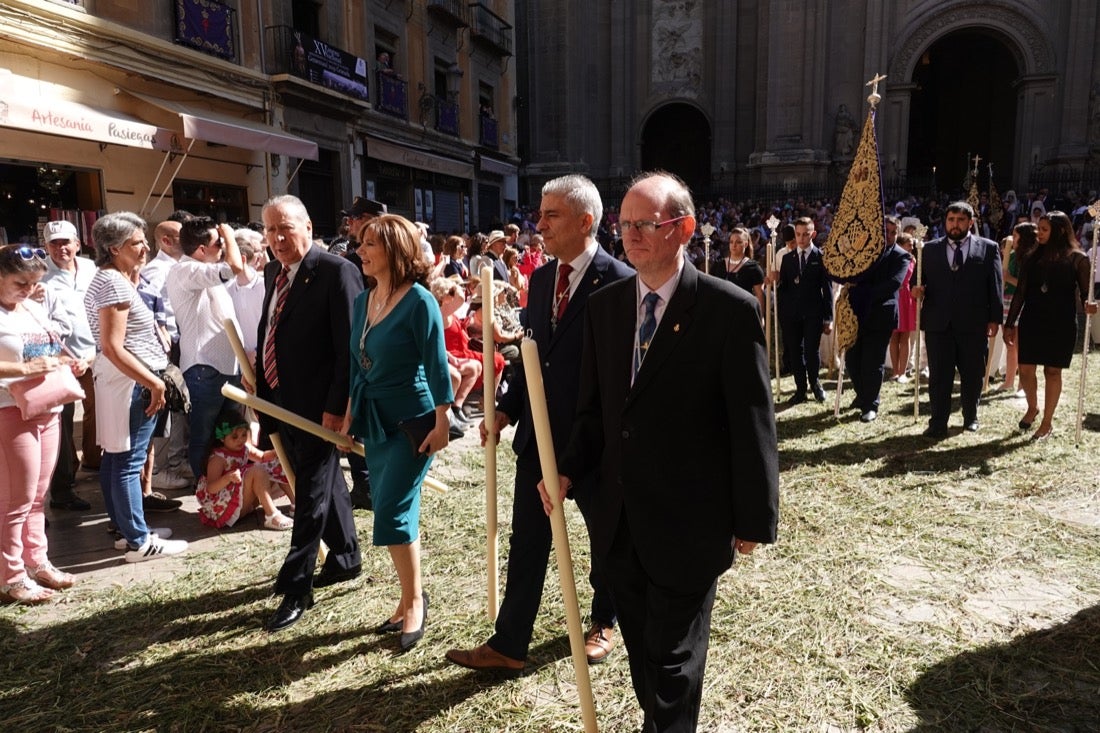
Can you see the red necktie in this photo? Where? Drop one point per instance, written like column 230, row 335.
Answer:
column 271, row 373
column 561, row 293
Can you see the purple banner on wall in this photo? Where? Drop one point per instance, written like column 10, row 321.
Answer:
column 206, row 25
column 328, row 66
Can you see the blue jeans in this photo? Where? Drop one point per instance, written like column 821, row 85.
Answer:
column 204, row 383
column 120, row 475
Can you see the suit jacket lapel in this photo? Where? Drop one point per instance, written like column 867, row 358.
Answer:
column 674, row 324
column 590, row 281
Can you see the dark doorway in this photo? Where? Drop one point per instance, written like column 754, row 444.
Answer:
column 676, row 138
column 317, row 190
column 963, row 104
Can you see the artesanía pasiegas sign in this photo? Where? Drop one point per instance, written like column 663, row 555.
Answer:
column 61, row 117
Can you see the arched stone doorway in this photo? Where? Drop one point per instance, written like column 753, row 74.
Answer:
column 960, row 107
column 676, row 138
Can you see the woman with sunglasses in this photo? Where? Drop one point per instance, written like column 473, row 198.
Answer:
column 29, row 347
column 128, row 390
column 400, row 397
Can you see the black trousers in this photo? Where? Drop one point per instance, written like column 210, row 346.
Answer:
column 801, row 343
column 947, row 351
column 528, row 552
column 322, row 511
column 667, row 635
column 865, row 362
column 63, row 480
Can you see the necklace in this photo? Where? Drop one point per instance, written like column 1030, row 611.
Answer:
column 365, row 361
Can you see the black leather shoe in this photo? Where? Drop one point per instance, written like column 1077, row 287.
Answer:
column 819, row 393
column 797, row 398
column 972, row 426
column 935, row 431
column 333, row 575
column 360, row 497
column 75, row 504
column 389, row 627
column 409, row 640
column 869, row 416
column 289, row 611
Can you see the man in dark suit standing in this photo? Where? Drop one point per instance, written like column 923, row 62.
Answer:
column 302, row 365
column 962, row 308
column 875, row 302
column 569, row 215
column 675, row 413
column 805, row 310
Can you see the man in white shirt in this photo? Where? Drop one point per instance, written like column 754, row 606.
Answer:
column 196, row 287
column 66, row 280
column 170, row 469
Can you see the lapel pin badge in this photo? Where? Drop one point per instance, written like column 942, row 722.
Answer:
column 676, row 328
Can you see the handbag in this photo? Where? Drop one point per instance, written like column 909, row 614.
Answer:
column 35, row 396
column 416, row 429
column 176, row 395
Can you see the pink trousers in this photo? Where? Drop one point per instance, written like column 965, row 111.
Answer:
column 28, row 452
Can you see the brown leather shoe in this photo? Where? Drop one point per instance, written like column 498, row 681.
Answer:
column 598, row 643
column 484, row 658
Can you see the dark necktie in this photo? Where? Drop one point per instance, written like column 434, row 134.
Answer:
column 647, row 329
column 958, row 262
column 561, row 292
column 801, row 261
column 271, row 373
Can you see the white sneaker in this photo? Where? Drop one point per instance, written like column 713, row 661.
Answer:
column 170, row 480
column 903, row 379
column 161, row 532
column 155, row 548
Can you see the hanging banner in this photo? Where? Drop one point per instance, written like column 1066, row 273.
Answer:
column 328, row 66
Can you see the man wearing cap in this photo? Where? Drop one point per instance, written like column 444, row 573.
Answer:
column 359, row 213
column 498, row 240
column 67, row 278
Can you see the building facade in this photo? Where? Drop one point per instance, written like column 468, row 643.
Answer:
column 215, row 105
column 740, row 95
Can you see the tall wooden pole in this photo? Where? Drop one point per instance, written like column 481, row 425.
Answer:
column 488, row 380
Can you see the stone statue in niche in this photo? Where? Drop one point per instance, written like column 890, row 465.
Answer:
column 844, row 133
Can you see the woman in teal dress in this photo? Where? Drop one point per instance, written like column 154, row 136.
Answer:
column 398, row 373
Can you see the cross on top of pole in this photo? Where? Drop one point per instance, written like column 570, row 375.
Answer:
column 977, row 159
column 873, row 98
column 772, row 223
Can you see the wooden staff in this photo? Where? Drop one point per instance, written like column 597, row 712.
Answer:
column 919, row 244
column 1094, row 210
column 536, row 395
column 234, row 334
column 488, row 381
column 989, row 363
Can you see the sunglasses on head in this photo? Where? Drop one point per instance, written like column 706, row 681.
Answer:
column 28, row 253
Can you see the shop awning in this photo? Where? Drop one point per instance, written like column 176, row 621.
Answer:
column 213, row 127
column 22, row 107
column 413, row 158
column 500, row 167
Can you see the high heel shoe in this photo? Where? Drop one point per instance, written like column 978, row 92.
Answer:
column 410, row 639
column 1025, row 424
column 1042, row 434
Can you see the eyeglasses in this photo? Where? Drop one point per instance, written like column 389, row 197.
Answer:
column 646, row 227
column 29, row 253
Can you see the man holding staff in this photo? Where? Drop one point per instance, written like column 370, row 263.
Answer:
column 302, row 365
column 569, row 216
column 675, row 414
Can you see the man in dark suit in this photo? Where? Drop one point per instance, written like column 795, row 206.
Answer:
column 874, row 300
column 805, row 310
column 568, row 217
column 303, row 366
column 675, row 413
column 962, row 308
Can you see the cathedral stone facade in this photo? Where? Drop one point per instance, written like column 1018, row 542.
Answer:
column 739, row 95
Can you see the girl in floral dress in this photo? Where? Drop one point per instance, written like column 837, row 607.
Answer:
column 239, row 477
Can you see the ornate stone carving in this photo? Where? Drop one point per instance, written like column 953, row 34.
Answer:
column 844, row 133
column 1026, row 40
column 677, row 44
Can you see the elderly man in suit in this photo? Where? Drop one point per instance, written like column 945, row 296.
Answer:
column 675, row 413
column 874, row 300
column 805, row 298
column 302, row 365
column 569, row 216
column 961, row 292
column 498, row 241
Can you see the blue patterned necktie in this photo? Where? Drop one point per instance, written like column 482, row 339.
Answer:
column 647, row 329
column 958, row 256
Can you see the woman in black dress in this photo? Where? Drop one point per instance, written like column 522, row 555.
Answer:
column 1051, row 284
column 739, row 267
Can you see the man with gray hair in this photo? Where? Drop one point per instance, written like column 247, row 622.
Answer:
column 569, row 216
